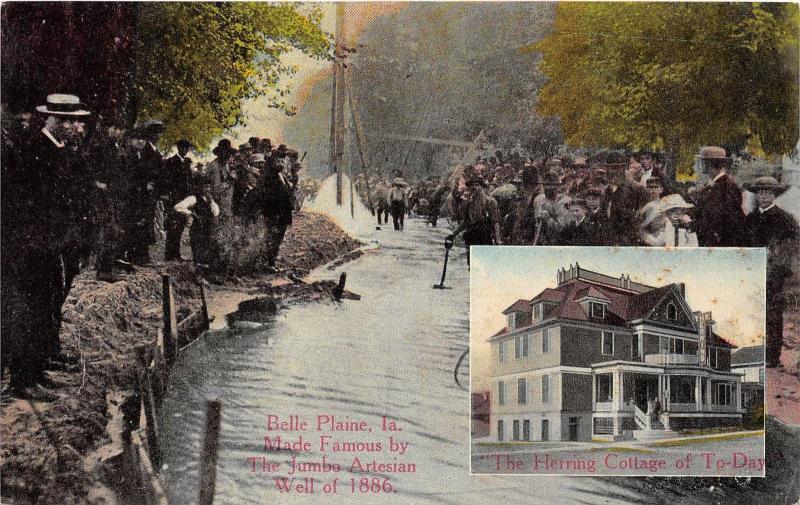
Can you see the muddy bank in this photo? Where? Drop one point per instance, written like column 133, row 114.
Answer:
column 51, row 450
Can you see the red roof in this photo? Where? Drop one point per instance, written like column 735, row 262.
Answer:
column 520, row 305
column 591, row 292
column 549, row 295
column 717, row 340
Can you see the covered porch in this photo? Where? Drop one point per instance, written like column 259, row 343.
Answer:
column 633, row 396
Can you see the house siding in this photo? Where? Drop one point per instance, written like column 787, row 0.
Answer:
column 535, row 360
column 576, row 391
column 582, row 346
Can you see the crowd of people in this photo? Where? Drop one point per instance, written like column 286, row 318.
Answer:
column 76, row 188
column 611, row 198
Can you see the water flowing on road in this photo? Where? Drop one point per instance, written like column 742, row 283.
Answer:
column 392, row 354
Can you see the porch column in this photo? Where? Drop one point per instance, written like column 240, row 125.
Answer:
column 594, row 392
column 708, row 391
column 698, row 398
column 616, row 395
column 738, row 396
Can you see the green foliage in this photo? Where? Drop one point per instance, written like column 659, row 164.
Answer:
column 196, row 62
column 673, row 75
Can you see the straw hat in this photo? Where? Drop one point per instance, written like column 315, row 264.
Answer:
column 768, row 183
column 60, row 104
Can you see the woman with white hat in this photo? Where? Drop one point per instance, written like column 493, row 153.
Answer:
column 676, row 231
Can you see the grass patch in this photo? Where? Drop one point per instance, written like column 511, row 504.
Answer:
column 722, row 436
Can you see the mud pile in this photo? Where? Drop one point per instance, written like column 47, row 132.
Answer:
column 46, row 446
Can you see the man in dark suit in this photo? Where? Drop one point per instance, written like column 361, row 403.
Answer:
column 624, row 197
column 718, row 213
column 176, row 184
column 772, row 227
column 146, row 166
column 277, row 197
column 45, row 208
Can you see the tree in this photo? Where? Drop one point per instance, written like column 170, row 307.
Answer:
column 673, row 75
column 196, row 62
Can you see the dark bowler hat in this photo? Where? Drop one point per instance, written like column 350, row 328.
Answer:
column 60, row 104
column 654, row 181
column 253, row 141
column 592, row 192
column 766, row 183
column 223, row 147
column 184, row 143
column 550, row 179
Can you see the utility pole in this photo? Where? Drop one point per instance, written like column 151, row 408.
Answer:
column 359, row 136
column 337, row 112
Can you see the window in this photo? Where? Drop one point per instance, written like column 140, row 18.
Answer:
column 538, row 312
column 526, row 340
column 604, row 383
column 672, row 312
column 713, row 358
column 501, row 393
column 663, row 345
column 545, row 430
column 677, row 346
column 526, row 429
column 545, row 388
column 511, row 319
column 515, row 429
column 724, row 394
column 608, row 342
column 501, row 352
column 521, row 347
column 499, row 430
column 635, row 345
column 546, row 340
column 522, row 391
column 597, row 310
column 681, row 389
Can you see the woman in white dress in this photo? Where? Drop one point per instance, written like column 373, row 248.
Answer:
column 677, row 232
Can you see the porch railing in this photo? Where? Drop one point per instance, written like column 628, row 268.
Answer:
column 672, row 359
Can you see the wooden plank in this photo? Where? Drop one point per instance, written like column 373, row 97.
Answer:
column 204, row 309
column 148, row 479
column 170, row 320
column 208, row 468
column 151, row 415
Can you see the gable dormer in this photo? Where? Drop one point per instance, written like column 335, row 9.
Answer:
column 594, row 303
column 518, row 315
column 673, row 310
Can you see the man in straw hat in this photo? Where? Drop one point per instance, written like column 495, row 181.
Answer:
column 45, row 205
column 718, row 216
column 772, row 227
column 398, row 202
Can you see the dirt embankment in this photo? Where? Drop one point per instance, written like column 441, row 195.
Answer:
column 46, row 446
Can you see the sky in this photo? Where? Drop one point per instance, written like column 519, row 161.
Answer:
column 263, row 121
column 731, row 283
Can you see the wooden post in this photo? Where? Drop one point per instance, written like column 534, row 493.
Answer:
column 204, row 311
column 208, row 469
column 337, row 293
column 170, row 320
column 151, row 415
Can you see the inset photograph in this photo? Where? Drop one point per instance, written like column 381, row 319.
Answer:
column 617, row 361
